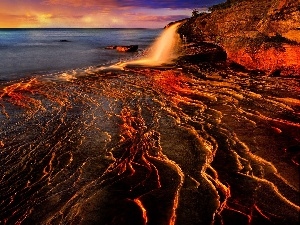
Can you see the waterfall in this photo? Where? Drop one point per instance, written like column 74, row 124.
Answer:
column 164, row 48
column 162, row 51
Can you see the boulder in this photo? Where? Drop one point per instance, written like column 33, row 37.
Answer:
column 130, row 48
column 203, row 52
column 127, row 48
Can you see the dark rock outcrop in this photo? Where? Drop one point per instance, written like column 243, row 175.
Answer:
column 260, row 35
column 203, row 52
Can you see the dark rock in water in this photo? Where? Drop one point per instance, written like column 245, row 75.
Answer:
column 127, row 48
column 130, row 48
column 64, row 40
column 111, row 47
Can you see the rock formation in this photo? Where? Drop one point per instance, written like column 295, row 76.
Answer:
column 259, row 35
column 127, row 48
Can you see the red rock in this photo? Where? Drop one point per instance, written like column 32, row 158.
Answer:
column 260, row 35
column 129, row 48
column 285, row 61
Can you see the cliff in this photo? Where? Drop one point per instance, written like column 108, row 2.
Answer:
column 259, row 35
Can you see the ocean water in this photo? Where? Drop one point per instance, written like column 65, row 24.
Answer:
column 27, row 52
column 195, row 144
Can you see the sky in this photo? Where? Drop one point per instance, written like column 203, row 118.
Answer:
column 97, row 13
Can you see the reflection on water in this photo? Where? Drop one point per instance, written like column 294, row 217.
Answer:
column 41, row 51
column 150, row 146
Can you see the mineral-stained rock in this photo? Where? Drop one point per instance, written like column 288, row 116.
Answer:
column 128, row 48
column 263, row 35
column 284, row 61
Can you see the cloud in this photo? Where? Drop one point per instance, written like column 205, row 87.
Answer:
column 11, row 21
column 157, row 4
column 82, row 3
column 116, row 13
column 96, row 13
column 170, row 4
column 155, row 18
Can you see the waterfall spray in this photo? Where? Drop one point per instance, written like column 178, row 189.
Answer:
column 163, row 50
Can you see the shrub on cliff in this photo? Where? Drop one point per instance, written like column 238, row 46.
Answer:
column 195, row 12
column 224, row 5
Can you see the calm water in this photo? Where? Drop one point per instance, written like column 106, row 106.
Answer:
column 24, row 52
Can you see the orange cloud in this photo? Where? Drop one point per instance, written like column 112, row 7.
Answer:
column 84, row 13
column 155, row 18
column 12, row 21
column 8, row 21
column 82, row 3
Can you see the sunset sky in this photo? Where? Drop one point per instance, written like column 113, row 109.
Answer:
column 96, row 13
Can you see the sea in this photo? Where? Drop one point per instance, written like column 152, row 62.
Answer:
column 29, row 52
column 91, row 136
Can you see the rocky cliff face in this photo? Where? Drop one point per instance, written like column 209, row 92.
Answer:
column 262, row 35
